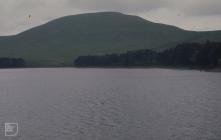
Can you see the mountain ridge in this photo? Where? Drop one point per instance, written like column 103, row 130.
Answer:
column 60, row 41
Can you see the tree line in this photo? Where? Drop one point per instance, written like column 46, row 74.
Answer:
column 12, row 62
column 195, row 55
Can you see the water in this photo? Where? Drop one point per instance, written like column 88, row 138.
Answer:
column 111, row 104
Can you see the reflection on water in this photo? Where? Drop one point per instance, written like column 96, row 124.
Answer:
column 111, row 104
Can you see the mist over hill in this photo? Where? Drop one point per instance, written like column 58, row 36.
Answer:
column 59, row 42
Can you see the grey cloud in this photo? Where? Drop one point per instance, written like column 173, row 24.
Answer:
column 207, row 8
column 130, row 6
column 196, row 7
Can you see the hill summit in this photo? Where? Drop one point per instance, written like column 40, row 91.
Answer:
column 59, row 42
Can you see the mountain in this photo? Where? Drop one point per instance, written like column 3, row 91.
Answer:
column 59, row 42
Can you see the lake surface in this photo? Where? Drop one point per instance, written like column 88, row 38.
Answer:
column 111, row 104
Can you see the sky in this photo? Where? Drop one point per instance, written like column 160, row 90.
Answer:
column 198, row 15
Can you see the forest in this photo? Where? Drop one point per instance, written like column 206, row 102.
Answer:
column 191, row 55
column 12, row 62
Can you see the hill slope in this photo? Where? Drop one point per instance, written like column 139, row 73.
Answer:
column 60, row 41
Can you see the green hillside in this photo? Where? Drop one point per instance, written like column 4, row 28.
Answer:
column 60, row 41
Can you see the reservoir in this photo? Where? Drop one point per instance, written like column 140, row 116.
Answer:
column 110, row 104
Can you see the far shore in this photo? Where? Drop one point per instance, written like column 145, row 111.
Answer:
column 137, row 67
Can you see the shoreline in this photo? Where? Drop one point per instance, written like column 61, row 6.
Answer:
column 141, row 67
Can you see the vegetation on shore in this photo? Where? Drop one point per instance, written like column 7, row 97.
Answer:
column 12, row 62
column 192, row 55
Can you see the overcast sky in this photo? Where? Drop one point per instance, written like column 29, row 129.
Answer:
column 187, row 14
